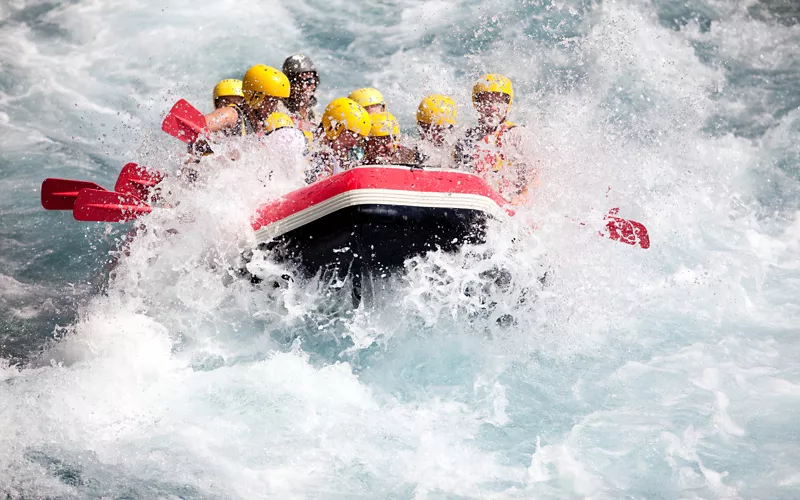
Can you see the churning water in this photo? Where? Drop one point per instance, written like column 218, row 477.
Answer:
column 672, row 372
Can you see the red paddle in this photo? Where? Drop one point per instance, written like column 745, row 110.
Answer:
column 93, row 205
column 60, row 194
column 184, row 122
column 137, row 181
column 626, row 231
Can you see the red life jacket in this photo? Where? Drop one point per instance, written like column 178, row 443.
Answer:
column 489, row 159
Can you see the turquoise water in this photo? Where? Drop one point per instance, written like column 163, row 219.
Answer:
column 666, row 373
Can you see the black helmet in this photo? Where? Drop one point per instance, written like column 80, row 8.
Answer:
column 297, row 64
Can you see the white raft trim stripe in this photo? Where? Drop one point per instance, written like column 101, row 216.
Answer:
column 372, row 196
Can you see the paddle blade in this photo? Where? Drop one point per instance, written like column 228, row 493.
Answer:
column 93, row 205
column 184, row 122
column 137, row 181
column 60, row 194
column 627, row 231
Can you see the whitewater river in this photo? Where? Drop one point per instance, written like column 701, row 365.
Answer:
column 672, row 372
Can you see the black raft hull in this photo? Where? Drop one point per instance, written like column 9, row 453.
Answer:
column 376, row 239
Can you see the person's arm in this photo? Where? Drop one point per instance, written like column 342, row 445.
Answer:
column 221, row 119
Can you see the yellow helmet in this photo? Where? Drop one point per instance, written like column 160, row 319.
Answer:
column 384, row 124
column 277, row 120
column 368, row 97
column 261, row 81
column 493, row 83
column 437, row 109
column 229, row 87
column 345, row 114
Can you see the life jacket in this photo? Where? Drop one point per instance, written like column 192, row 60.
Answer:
column 488, row 154
column 488, row 159
column 243, row 124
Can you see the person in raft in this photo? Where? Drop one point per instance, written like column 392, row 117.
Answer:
column 436, row 121
column 304, row 80
column 383, row 139
column 370, row 99
column 280, row 129
column 228, row 93
column 494, row 148
column 344, row 125
column 383, row 146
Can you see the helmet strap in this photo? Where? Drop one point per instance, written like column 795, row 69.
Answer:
column 335, row 131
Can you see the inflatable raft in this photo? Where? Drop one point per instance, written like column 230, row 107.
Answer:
column 370, row 219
